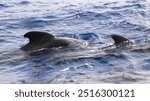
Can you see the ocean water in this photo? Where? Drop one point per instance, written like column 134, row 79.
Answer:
column 90, row 20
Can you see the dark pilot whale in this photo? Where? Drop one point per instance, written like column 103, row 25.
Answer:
column 43, row 40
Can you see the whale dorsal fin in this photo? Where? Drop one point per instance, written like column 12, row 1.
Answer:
column 37, row 40
column 37, row 36
column 120, row 40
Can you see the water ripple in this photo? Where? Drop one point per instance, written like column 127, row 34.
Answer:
column 133, row 6
column 2, row 6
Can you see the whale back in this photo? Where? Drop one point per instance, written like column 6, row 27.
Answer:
column 37, row 40
column 36, row 36
column 120, row 40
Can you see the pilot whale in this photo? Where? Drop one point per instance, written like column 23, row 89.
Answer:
column 43, row 40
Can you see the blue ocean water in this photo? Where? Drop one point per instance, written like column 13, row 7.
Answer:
column 90, row 20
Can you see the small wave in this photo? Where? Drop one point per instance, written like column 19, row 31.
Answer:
column 40, row 22
column 114, row 14
column 145, row 66
column 2, row 6
column 70, row 35
column 133, row 6
column 135, row 1
column 126, row 25
column 33, row 23
column 24, row 2
column 124, row 77
column 50, row 17
column 88, row 16
column 89, row 36
column 110, row 4
column 120, row 77
column 102, row 5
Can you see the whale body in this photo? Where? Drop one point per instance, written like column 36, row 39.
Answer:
column 39, row 40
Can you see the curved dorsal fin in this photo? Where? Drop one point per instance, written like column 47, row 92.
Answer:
column 120, row 40
column 37, row 35
column 37, row 40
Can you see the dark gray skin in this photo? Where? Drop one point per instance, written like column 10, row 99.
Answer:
column 120, row 40
column 128, row 45
column 39, row 40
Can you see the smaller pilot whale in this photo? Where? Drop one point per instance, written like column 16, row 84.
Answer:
column 124, row 44
column 43, row 40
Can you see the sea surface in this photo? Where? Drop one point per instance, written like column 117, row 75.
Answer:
column 91, row 20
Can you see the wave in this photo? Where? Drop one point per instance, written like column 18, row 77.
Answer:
column 3, row 6
column 116, row 77
column 132, row 6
